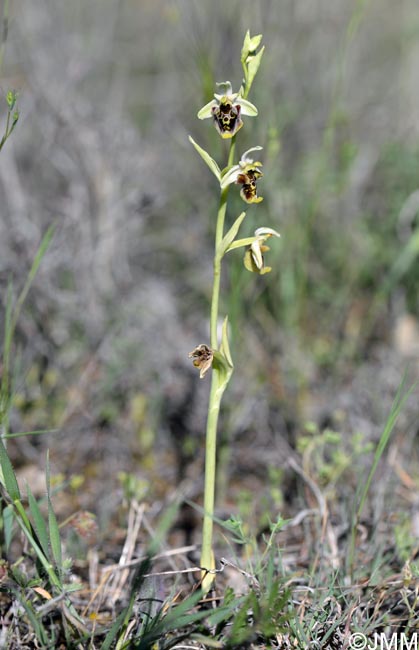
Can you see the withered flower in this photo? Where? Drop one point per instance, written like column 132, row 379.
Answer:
column 226, row 110
column 202, row 358
column 254, row 259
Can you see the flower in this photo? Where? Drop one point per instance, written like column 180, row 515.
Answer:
column 226, row 111
column 253, row 258
column 247, row 179
column 245, row 174
column 203, row 357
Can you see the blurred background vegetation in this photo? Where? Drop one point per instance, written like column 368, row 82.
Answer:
column 108, row 94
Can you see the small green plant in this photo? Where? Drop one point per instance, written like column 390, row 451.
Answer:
column 226, row 111
column 364, row 488
column 41, row 532
column 11, row 117
column 11, row 96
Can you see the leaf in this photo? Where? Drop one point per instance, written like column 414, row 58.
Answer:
column 7, row 343
column 250, row 44
column 230, row 235
column 111, row 635
column 54, row 531
column 362, row 492
column 20, row 434
column 211, row 643
column 253, row 66
column 43, row 592
column 225, row 346
column 8, row 474
column 39, row 522
column 223, row 374
column 223, row 362
column 207, row 159
column 247, row 241
column 178, row 617
column 34, row 618
column 8, row 525
column 43, row 247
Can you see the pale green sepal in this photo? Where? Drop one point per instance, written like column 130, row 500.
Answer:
column 253, row 64
column 248, row 262
column 230, row 235
column 247, row 107
column 206, row 111
column 225, row 87
column 246, row 158
column 207, row 159
column 257, row 254
column 230, row 176
column 247, row 241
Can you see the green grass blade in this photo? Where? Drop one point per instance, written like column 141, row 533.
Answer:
column 21, row 434
column 36, row 623
column 207, row 159
column 8, row 525
column 177, row 618
column 11, row 318
column 54, row 531
column 116, row 627
column 27, row 529
column 397, row 406
column 46, row 240
column 39, row 522
column 398, row 403
column 8, row 477
column 7, row 342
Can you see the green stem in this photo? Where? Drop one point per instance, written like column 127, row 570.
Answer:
column 217, row 270
column 207, row 560
column 219, row 234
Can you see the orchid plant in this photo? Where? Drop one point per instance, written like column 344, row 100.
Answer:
column 226, row 111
